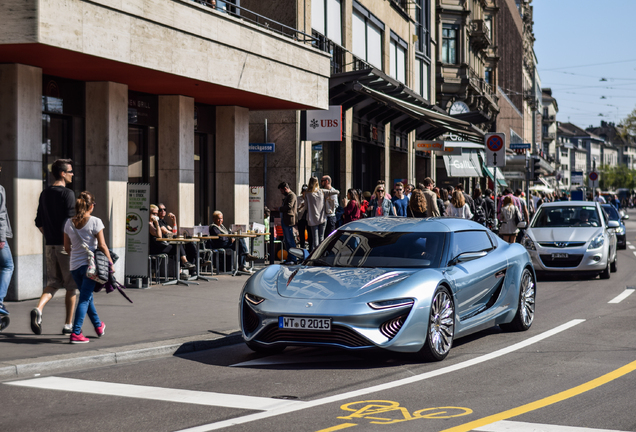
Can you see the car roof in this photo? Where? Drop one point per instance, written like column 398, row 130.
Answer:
column 569, row 204
column 403, row 224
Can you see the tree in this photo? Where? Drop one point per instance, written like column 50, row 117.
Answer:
column 629, row 125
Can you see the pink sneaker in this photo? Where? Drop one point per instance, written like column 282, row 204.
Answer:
column 77, row 339
column 100, row 330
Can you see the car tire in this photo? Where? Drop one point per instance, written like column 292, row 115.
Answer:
column 605, row 274
column 613, row 265
column 525, row 308
column 440, row 328
column 265, row 349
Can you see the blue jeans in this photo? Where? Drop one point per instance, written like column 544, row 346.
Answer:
column 289, row 240
column 85, row 304
column 317, row 234
column 6, row 270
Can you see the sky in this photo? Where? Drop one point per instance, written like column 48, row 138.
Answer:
column 586, row 52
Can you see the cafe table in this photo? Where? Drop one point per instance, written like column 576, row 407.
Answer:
column 178, row 241
column 237, row 237
column 198, row 276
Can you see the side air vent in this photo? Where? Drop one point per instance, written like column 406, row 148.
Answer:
column 391, row 327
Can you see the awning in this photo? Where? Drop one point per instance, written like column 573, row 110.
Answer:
column 501, row 181
column 379, row 98
column 464, row 165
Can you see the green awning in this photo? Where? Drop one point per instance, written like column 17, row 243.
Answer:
column 501, row 181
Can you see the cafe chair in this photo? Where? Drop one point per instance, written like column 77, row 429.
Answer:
column 157, row 260
column 220, row 255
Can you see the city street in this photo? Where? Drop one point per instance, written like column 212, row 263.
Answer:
column 572, row 368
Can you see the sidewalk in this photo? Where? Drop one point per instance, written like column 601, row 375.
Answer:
column 162, row 321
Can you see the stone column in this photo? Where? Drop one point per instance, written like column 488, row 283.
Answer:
column 107, row 160
column 176, row 157
column 21, row 160
column 346, row 155
column 232, row 164
column 387, row 158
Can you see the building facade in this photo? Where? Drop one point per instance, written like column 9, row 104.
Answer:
column 156, row 92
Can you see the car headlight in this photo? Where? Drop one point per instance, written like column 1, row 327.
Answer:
column 620, row 230
column 395, row 303
column 528, row 243
column 254, row 299
column 596, row 242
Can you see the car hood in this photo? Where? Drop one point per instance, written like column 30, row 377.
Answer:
column 565, row 234
column 332, row 283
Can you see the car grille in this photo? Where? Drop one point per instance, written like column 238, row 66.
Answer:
column 338, row 335
column 561, row 244
column 391, row 327
column 250, row 319
column 570, row 261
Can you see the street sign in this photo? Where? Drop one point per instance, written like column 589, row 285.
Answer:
column 520, row 146
column 262, row 147
column 495, row 149
column 593, row 177
column 436, row 146
column 576, row 177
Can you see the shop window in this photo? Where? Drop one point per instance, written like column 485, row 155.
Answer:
column 449, row 43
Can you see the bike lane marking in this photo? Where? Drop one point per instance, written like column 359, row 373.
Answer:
column 386, row 386
column 550, row 400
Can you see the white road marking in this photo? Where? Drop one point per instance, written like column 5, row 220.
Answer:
column 386, row 386
column 511, row 426
column 634, row 252
column 158, row 393
column 631, row 246
column 622, row 296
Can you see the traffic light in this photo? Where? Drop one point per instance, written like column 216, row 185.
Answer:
column 535, row 167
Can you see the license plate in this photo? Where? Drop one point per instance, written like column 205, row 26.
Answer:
column 307, row 323
column 559, row 255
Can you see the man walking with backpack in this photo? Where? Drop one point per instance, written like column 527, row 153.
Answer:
column 57, row 204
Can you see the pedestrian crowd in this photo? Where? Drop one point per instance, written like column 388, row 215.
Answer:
column 319, row 208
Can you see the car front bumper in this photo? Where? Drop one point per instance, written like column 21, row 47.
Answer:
column 579, row 259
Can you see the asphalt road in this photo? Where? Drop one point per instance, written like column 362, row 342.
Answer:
column 572, row 371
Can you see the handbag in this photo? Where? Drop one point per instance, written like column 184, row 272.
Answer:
column 98, row 264
column 516, row 216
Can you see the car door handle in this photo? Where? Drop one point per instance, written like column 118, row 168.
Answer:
column 500, row 274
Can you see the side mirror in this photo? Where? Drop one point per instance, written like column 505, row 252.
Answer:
column 299, row 253
column 613, row 224
column 626, row 216
column 522, row 225
column 468, row 256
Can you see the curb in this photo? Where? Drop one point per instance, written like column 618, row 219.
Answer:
column 23, row 368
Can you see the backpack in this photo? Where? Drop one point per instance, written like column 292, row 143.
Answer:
column 479, row 215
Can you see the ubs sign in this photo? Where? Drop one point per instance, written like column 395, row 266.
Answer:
column 324, row 125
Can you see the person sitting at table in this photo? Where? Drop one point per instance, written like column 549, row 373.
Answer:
column 168, row 224
column 227, row 243
column 161, row 247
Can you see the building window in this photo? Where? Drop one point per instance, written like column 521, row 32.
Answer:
column 397, row 58
column 326, row 18
column 488, row 22
column 449, row 43
column 421, row 77
column 367, row 36
column 488, row 76
column 422, row 27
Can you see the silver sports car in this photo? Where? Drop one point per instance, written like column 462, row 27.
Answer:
column 401, row 284
column 567, row 236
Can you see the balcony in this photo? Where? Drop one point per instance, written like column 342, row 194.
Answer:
column 338, row 55
column 549, row 118
column 479, row 34
column 549, row 136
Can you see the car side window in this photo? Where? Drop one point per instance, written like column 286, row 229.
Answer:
column 470, row 241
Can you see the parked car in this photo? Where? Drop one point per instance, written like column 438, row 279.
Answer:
column 400, row 284
column 572, row 236
column 615, row 215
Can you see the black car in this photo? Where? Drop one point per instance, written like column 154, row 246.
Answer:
column 621, row 235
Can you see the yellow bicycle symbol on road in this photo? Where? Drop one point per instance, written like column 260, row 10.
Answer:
column 372, row 409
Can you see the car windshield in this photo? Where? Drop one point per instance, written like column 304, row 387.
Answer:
column 611, row 212
column 379, row 249
column 566, row 216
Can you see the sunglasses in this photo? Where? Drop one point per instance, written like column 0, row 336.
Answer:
column 162, row 209
column 154, row 213
column 380, row 190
